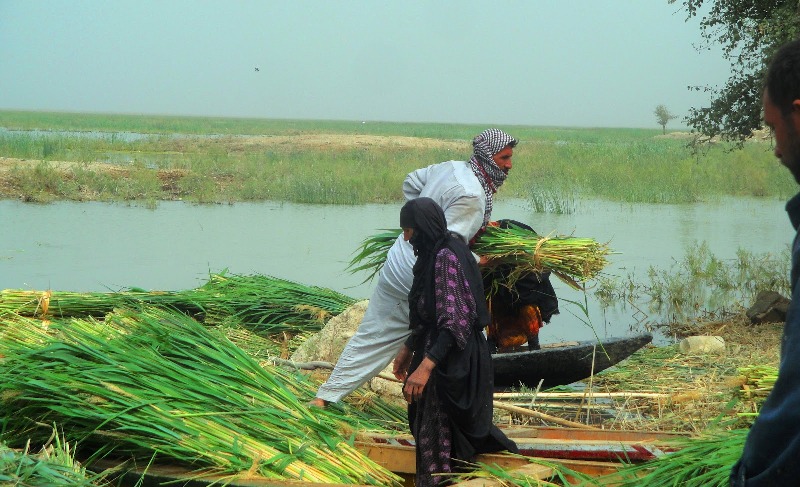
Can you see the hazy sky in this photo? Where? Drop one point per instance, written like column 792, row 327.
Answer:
column 604, row 63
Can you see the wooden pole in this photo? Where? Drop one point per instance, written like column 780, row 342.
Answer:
column 543, row 416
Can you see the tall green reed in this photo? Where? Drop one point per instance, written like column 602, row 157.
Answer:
column 701, row 282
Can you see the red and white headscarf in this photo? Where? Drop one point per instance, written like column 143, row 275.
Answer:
column 485, row 145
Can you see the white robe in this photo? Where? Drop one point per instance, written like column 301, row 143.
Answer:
column 384, row 328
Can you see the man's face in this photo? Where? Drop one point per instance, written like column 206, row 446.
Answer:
column 784, row 130
column 503, row 159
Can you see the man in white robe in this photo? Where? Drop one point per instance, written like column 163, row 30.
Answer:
column 464, row 190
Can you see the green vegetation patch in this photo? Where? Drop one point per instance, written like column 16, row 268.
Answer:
column 339, row 162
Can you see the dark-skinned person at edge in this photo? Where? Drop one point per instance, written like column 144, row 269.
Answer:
column 771, row 455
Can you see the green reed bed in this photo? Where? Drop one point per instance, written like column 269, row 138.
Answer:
column 22, row 120
column 551, row 164
column 157, row 383
column 701, row 281
column 650, row 171
column 45, row 182
column 310, row 175
column 67, row 147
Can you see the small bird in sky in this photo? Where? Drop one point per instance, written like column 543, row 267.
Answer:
column 257, row 69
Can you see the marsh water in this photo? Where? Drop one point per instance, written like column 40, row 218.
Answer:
column 81, row 247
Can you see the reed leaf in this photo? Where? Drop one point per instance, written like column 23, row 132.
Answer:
column 371, row 255
column 53, row 466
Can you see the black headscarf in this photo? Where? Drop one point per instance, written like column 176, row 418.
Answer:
column 427, row 219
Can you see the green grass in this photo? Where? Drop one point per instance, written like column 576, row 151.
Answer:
column 553, row 167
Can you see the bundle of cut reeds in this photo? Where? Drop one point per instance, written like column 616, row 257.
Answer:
column 269, row 304
column 573, row 259
column 758, row 380
column 264, row 303
column 156, row 385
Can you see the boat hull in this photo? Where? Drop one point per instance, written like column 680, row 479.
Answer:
column 562, row 365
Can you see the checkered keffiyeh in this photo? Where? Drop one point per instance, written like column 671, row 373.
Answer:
column 484, row 146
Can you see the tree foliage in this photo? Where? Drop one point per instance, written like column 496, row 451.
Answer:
column 749, row 32
column 663, row 116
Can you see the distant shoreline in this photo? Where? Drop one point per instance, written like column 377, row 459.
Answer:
column 325, row 162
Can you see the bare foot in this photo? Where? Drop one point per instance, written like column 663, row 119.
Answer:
column 317, row 403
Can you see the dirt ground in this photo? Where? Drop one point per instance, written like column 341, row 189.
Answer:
column 349, row 141
column 691, row 391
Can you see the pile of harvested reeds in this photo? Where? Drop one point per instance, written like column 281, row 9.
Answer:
column 157, row 385
column 704, row 461
column 573, row 259
column 262, row 303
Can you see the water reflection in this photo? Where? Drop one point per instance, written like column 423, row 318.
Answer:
column 100, row 247
column 81, row 134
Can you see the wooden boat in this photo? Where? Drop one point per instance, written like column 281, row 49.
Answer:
column 558, row 443
column 562, row 364
column 590, row 452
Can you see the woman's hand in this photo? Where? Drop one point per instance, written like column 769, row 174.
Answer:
column 416, row 382
column 401, row 362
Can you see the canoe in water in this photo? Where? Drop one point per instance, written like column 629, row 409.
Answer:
column 563, row 364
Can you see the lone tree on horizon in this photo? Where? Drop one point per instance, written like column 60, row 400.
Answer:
column 663, row 116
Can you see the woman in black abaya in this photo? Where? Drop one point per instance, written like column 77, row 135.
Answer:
column 445, row 363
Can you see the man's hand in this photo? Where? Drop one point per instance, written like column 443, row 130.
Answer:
column 401, row 362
